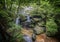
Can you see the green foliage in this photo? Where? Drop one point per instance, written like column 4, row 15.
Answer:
column 44, row 11
column 45, row 8
column 15, row 32
column 3, row 14
column 4, row 18
column 51, row 27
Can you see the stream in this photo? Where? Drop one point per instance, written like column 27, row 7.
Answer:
column 26, row 37
column 17, row 20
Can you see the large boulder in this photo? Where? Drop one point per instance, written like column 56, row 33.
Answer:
column 38, row 30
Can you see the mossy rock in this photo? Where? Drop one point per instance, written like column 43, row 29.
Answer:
column 38, row 30
column 36, row 19
column 22, row 17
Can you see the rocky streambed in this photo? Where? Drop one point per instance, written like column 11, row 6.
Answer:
column 28, row 36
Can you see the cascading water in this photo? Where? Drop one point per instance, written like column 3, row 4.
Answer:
column 28, row 18
column 27, row 38
column 17, row 20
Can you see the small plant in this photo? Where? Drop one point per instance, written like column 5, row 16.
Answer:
column 51, row 27
column 15, row 32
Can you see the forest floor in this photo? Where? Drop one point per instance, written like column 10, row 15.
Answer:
column 39, row 38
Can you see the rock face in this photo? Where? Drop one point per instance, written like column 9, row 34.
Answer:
column 38, row 30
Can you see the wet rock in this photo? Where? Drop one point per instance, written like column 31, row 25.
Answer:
column 36, row 19
column 38, row 30
column 34, row 37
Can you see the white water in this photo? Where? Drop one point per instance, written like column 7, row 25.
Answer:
column 17, row 20
column 27, row 38
column 28, row 18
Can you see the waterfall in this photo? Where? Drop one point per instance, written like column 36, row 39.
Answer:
column 28, row 18
column 17, row 20
column 24, row 13
column 27, row 38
